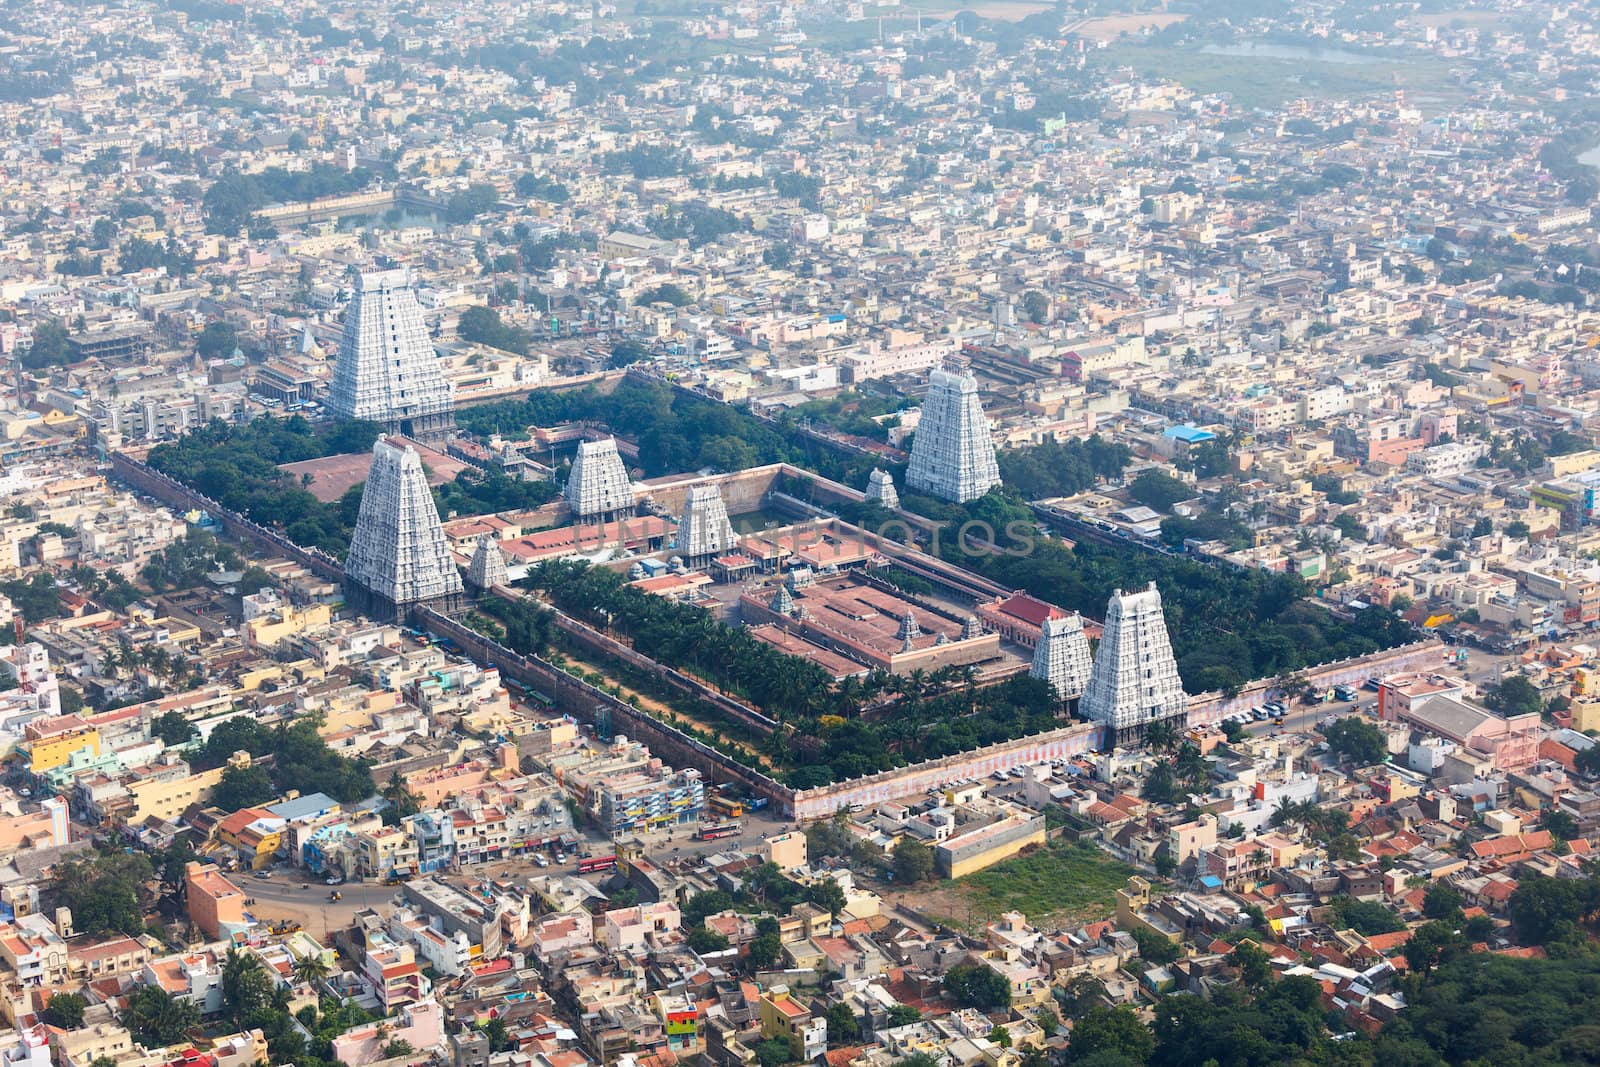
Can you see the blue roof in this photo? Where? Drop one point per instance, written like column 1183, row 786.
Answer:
column 304, row 807
column 1189, row 434
column 1211, row 881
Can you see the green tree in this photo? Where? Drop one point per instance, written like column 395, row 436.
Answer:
column 173, row 729
column 913, row 862
column 774, row 1052
column 764, row 952
column 1356, row 739
column 1255, row 966
column 244, row 787
column 1545, row 909
column 1106, row 1032
column 65, row 1011
column 827, row 894
column 1159, row 491
column 977, row 986
column 156, row 1019
column 1366, row 917
column 1560, row 824
column 1442, row 901
column 105, row 893
column 703, row 939
column 499, row 1037
column 842, row 1025
column 904, row 1015
column 245, row 986
column 398, row 1047
column 1153, row 948
column 1035, row 305
column 217, row 340
column 1514, row 695
column 1433, row 943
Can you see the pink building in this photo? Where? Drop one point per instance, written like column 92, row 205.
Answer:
column 631, row 928
column 1434, row 704
column 420, row 1025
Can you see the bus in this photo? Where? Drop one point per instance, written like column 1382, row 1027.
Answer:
column 728, row 807
column 597, row 863
column 712, row 831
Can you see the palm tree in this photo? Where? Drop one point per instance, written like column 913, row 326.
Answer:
column 1161, row 735
column 311, row 969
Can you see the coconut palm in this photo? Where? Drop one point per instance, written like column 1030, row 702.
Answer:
column 1161, row 735
column 311, row 969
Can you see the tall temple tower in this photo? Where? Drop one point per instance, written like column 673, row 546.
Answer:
column 1062, row 656
column 598, row 487
column 387, row 370
column 952, row 455
column 398, row 554
column 488, row 566
column 1135, row 678
column 704, row 531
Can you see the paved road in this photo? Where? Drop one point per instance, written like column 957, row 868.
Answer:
column 1482, row 669
column 281, row 897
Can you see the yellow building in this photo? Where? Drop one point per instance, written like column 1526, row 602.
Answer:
column 171, row 798
column 286, row 622
column 50, row 743
column 255, row 833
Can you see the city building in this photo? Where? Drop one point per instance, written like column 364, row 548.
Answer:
column 399, row 557
column 1135, row 677
column 952, row 455
column 387, row 371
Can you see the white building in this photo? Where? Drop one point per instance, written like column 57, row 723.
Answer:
column 704, row 530
column 1446, row 460
column 388, row 371
column 1135, row 679
column 598, row 487
column 1062, row 656
column 952, row 455
column 398, row 552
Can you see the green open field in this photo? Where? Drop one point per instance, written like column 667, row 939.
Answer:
column 1060, row 884
column 1264, row 82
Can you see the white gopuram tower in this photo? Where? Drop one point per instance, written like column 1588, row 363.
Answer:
column 704, row 531
column 1135, row 678
column 387, row 371
column 399, row 558
column 1062, row 656
column 598, row 487
column 881, row 491
column 488, row 566
column 952, row 454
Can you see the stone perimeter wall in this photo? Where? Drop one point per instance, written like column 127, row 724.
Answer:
column 583, row 700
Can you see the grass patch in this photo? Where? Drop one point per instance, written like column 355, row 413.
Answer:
column 1061, row 881
column 1266, row 82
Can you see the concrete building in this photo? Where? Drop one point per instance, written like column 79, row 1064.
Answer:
column 215, row 904
column 387, row 370
column 398, row 553
column 704, row 531
column 598, row 487
column 1135, row 678
column 488, row 567
column 1062, row 656
column 952, row 455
